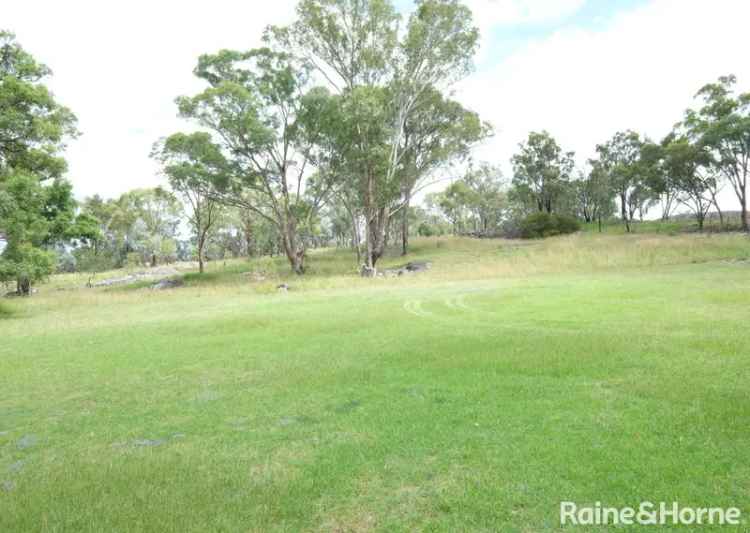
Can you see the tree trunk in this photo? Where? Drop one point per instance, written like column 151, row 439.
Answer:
column 23, row 286
column 624, row 211
column 745, row 222
column 405, row 229
column 355, row 237
column 294, row 250
column 201, row 244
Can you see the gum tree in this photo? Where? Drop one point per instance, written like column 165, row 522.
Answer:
column 36, row 203
column 722, row 125
column 380, row 73
column 619, row 160
column 262, row 127
column 191, row 162
column 541, row 171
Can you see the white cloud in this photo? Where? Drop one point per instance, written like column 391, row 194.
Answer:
column 639, row 72
column 120, row 65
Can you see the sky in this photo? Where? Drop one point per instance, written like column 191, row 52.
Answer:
column 581, row 69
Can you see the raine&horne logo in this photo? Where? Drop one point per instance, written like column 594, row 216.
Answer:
column 647, row 513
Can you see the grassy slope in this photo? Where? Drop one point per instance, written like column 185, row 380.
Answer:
column 477, row 396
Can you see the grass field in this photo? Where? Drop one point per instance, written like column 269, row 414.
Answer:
column 474, row 397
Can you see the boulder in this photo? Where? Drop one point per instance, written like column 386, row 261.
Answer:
column 409, row 268
column 167, row 283
column 418, row 266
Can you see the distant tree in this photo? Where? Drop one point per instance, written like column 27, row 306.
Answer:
column 689, row 167
column 192, row 163
column 488, row 199
column 437, row 131
column 380, row 74
column 36, row 203
column 619, row 160
column 541, row 171
column 594, row 194
column 659, row 184
column 722, row 125
column 454, row 202
column 148, row 217
column 263, row 126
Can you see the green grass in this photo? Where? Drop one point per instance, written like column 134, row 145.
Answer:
column 474, row 397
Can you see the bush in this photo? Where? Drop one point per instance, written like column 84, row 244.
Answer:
column 540, row 225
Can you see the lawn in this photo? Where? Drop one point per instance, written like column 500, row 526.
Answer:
column 476, row 397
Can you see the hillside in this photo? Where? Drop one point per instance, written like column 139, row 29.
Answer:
column 509, row 377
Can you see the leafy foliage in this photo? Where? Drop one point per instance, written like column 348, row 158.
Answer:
column 36, row 203
column 543, row 224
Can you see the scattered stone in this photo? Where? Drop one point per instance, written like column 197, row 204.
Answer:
column 283, row 287
column 149, row 442
column 178, row 436
column 409, row 268
column 348, row 407
column 17, row 466
column 207, row 395
column 158, row 272
column 418, row 266
column 27, row 441
column 168, row 284
column 289, row 420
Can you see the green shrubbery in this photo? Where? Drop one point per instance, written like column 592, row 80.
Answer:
column 540, row 225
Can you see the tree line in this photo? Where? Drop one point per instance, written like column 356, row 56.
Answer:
column 328, row 133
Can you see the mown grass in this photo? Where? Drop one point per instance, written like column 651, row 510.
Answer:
column 474, row 397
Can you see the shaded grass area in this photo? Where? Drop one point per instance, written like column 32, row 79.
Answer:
column 475, row 397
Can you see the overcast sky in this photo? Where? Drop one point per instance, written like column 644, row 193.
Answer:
column 582, row 69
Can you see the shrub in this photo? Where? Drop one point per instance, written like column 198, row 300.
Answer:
column 540, row 225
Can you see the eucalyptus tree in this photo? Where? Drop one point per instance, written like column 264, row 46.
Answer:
column 689, row 167
column 619, row 160
column 381, row 72
column 541, row 171
column 36, row 203
column 263, row 126
column 488, row 199
column 596, row 192
column 722, row 125
column 148, row 220
column 656, row 182
column 438, row 131
column 191, row 161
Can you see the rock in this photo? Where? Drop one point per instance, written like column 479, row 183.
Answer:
column 17, row 466
column 418, row 266
column 283, row 287
column 8, row 485
column 409, row 268
column 157, row 272
column 27, row 441
column 168, row 284
column 148, row 442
